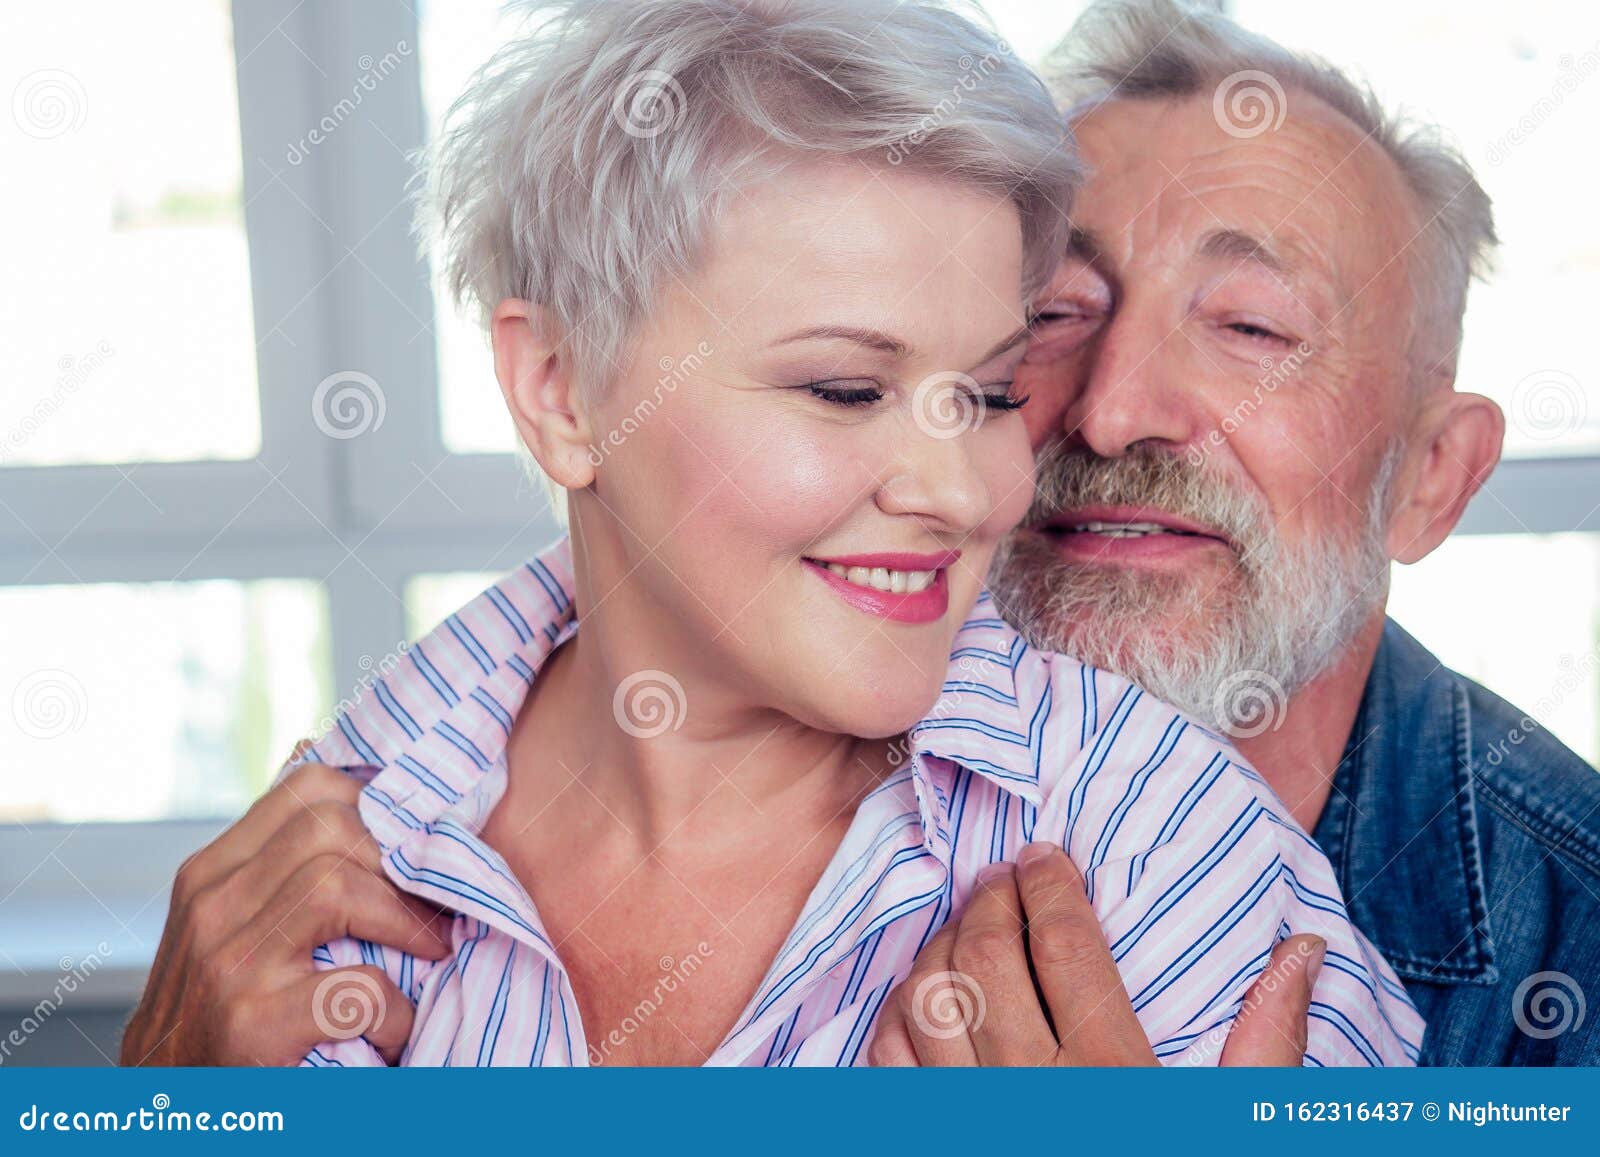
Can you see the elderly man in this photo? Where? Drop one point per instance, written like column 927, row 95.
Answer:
column 1244, row 382
column 1243, row 391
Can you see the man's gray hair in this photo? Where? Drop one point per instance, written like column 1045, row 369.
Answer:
column 1162, row 49
column 586, row 161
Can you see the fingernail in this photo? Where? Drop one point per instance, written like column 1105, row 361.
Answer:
column 1034, row 852
column 991, row 872
column 1314, row 960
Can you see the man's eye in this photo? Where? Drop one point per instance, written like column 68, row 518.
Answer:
column 845, row 393
column 1254, row 331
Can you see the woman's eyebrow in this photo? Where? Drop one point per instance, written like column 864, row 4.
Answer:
column 872, row 338
column 891, row 345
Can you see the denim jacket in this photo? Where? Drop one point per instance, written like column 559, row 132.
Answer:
column 1467, row 843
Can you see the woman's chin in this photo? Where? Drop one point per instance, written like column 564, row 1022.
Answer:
column 869, row 713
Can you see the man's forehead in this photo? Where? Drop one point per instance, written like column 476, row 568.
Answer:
column 1313, row 187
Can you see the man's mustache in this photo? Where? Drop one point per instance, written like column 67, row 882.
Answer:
column 1068, row 477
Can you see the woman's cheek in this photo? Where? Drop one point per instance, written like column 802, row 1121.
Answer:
column 1010, row 477
column 798, row 484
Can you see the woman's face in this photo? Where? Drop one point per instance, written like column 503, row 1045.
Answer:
column 806, row 468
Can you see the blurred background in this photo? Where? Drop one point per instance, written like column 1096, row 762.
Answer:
column 246, row 448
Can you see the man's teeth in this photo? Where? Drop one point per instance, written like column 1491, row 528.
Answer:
column 896, row 582
column 1126, row 529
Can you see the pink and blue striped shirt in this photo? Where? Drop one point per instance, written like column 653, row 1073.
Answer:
column 1194, row 866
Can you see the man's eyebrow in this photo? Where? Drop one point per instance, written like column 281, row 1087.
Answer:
column 1011, row 342
column 1234, row 245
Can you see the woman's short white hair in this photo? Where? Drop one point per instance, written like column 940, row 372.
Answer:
column 1162, row 49
column 586, row 161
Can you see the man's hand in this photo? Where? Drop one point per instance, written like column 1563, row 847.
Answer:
column 1028, row 951
column 233, row 982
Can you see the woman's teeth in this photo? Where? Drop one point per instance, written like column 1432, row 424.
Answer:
column 1126, row 529
column 896, row 582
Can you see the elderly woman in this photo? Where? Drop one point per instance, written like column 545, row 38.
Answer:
column 700, row 787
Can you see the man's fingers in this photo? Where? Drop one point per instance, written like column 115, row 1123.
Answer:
column 1094, row 1019
column 308, row 784
column 989, row 962
column 891, row 1046
column 925, row 1002
column 1271, row 1028
column 343, row 1003
column 326, row 898
column 326, row 827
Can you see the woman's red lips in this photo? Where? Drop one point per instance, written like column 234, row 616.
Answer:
column 922, row 606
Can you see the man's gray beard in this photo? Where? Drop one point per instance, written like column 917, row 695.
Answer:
column 1229, row 656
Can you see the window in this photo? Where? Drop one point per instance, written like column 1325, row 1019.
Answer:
column 141, row 701
column 222, row 462
column 132, row 216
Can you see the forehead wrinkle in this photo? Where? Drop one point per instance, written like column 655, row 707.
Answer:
column 1314, row 269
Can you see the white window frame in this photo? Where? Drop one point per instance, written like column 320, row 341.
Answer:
column 337, row 285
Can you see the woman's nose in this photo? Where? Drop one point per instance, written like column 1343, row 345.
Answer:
column 935, row 477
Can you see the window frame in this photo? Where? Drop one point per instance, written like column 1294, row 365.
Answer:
column 360, row 515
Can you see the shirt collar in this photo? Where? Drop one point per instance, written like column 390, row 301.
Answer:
column 1401, row 823
column 979, row 721
column 436, row 746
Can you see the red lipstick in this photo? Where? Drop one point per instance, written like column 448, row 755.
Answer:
column 924, row 606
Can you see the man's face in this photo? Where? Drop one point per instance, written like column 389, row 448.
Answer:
column 1219, row 382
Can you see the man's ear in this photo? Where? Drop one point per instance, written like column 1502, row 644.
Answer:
column 537, row 382
column 1457, row 442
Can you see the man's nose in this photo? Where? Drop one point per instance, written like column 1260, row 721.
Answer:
column 1137, row 384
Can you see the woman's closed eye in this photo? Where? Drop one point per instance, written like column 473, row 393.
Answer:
column 995, row 396
column 847, row 392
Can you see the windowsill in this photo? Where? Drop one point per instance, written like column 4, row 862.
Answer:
column 83, row 907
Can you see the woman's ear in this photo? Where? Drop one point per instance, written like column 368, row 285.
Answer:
column 1458, row 439
column 537, row 382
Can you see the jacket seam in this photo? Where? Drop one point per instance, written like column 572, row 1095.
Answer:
column 1544, row 826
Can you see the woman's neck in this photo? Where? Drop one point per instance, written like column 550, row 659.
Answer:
column 679, row 757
